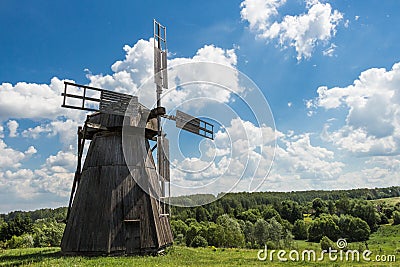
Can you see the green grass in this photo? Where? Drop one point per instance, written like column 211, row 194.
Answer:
column 386, row 241
column 391, row 201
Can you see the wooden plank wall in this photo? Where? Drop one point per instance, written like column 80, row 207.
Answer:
column 109, row 204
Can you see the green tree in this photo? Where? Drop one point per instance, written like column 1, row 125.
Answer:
column 261, row 232
column 18, row 226
column 251, row 215
column 47, row 232
column 323, row 226
column 343, row 206
column 192, row 232
column 232, row 235
column 23, row 241
column 331, row 207
column 275, row 231
column 354, row 229
column 179, row 227
column 383, row 218
column 366, row 211
column 396, row 217
column 271, row 231
column 202, row 215
column 319, row 206
column 291, row 211
column 269, row 212
column 215, row 235
column 248, row 231
column 300, row 230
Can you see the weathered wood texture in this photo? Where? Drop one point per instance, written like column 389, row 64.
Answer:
column 111, row 213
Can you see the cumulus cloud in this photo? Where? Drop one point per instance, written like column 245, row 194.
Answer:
column 245, row 164
column 29, row 100
column 1, row 131
column 298, row 156
column 40, row 103
column 11, row 158
column 303, row 32
column 65, row 129
column 12, row 127
column 372, row 125
column 51, row 181
column 136, row 71
column 238, row 159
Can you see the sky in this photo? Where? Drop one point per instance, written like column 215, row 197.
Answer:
column 327, row 72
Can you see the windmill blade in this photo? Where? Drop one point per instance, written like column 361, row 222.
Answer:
column 82, row 97
column 163, row 158
column 194, row 125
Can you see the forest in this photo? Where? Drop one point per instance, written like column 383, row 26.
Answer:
column 241, row 220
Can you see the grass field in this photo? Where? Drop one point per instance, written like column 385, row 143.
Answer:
column 390, row 201
column 384, row 242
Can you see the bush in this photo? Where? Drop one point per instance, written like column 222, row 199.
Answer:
column 326, row 243
column 179, row 227
column 384, row 219
column 396, row 217
column 179, row 239
column 199, row 241
column 47, row 232
column 23, row 241
column 15, row 227
column 192, row 232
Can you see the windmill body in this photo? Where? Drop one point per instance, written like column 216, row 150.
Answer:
column 111, row 213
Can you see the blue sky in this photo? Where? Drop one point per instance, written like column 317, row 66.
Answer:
column 327, row 69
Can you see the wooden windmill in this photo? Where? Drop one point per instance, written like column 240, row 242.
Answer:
column 118, row 202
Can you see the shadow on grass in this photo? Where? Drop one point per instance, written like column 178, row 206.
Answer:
column 26, row 258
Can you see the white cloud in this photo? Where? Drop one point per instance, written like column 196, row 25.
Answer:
column 29, row 100
column 136, row 70
column 329, row 51
column 1, row 131
column 247, row 161
column 10, row 158
column 39, row 103
column 259, row 13
column 65, row 129
column 372, row 125
column 299, row 156
column 303, row 32
column 30, row 151
column 12, row 127
column 239, row 158
column 54, row 177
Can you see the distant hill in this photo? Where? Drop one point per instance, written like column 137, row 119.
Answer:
column 243, row 200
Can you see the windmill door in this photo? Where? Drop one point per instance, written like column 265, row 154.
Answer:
column 132, row 228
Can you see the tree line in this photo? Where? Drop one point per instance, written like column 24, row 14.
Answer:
column 239, row 219
column 39, row 228
column 277, row 218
